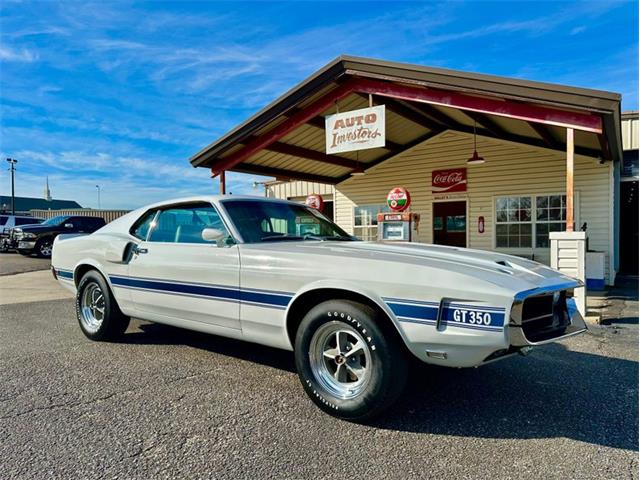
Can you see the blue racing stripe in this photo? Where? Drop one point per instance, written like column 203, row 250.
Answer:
column 262, row 298
column 202, row 290
column 422, row 312
column 66, row 274
column 476, row 317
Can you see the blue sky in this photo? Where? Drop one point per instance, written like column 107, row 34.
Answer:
column 122, row 94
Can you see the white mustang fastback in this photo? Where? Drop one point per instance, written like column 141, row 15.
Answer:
column 281, row 274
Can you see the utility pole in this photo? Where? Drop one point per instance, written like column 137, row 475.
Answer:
column 98, row 187
column 12, row 168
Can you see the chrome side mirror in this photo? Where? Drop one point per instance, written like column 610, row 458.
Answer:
column 68, row 225
column 214, row 235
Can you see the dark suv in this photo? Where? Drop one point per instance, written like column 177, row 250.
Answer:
column 38, row 239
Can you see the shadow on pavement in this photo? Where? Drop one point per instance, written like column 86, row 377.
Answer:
column 552, row 393
column 620, row 321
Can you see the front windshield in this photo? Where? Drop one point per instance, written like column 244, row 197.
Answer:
column 55, row 220
column 260, row 221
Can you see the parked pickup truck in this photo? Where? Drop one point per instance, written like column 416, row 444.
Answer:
column 8, row 223
column 38, row 239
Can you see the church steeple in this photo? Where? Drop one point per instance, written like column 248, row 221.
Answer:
column 47, row 192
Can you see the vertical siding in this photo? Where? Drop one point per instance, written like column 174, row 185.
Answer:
column 510, row 169
column 630, row 132
column 108, row 215
column 286, row 190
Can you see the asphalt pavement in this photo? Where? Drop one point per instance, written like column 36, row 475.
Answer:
column 12, row 263
column 168, row 403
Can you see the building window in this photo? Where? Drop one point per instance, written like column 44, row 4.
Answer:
column 551, row 211
column 520, row 220
column 365, row 221
column 513, row 222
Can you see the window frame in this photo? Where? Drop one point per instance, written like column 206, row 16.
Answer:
column 533, row 197
column 162, row 208
column 237, row 234
column 383, row 208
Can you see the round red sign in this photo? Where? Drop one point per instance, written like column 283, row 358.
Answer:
column 315, row 201
column 398, row 199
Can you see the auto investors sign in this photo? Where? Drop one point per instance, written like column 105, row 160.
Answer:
column 355, row 130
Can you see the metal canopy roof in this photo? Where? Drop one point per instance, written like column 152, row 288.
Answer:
column 286, row 138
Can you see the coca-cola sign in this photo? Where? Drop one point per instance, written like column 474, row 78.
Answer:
column 398, row 199
column 315, row 201
column 448, row 181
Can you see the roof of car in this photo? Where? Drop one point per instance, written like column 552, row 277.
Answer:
column 213, row 199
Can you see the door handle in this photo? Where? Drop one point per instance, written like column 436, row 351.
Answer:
column 138, row 251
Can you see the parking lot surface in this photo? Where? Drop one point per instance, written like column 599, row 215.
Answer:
column 11, row 263
column 168, row 403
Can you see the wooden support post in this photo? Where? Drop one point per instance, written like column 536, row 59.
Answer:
column 569, row 179
column 223, row 183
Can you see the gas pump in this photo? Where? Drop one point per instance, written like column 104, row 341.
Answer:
column 398, row 225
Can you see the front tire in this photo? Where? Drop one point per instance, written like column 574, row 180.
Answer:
column 98, row 314
column 44, row 248
column 350, row 360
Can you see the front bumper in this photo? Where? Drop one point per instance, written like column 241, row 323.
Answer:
column 26, row 245
column 577, row 325
column 560, row 318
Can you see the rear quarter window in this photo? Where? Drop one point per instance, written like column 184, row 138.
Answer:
column 140, row 229
column 26, row 221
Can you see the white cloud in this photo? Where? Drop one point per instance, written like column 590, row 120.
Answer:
column 9, row 54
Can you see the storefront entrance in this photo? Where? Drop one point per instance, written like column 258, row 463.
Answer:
column 629, row 228
column 450, row 223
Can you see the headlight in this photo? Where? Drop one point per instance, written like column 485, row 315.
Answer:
column 27, row 235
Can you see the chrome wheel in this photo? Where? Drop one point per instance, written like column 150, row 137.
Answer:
column 92, row 307
column 45, row 249
column 340, row 359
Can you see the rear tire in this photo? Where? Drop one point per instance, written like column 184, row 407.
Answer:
column 350, row 360
column 98, row 314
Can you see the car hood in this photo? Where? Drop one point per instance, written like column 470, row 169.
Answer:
column 508, row 271
column 27, row 226
column 37, row 228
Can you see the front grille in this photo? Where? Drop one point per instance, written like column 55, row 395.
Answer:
column 543, row 319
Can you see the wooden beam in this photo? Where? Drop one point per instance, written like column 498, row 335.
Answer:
column 282, row 173
column 302, row 116
column 387, row 156
column 300, row 152
column 486, row 122
column 427, row 96
column 512, row 137
column 317, row 121
column 569, row 179
column 437, row 116
column 546, row 135
column 582, row 121
column 411, row 114
column 604, row 145
column 223, row 183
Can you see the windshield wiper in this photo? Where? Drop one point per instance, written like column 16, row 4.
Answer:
column 337, row 238
column 340, row 238
column 281, row 237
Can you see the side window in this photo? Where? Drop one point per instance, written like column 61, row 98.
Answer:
column 140, row 229
column 96, row 223
column 185, row 224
